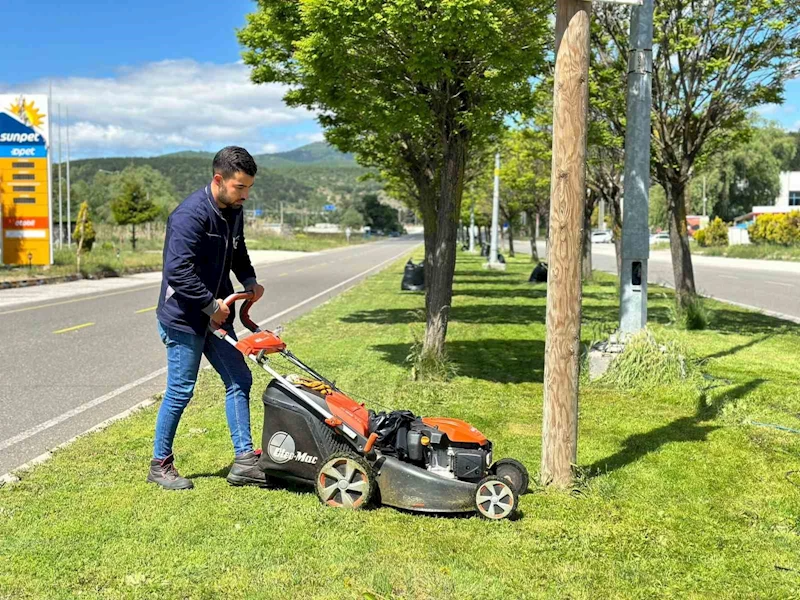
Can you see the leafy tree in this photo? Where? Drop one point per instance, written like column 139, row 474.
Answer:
column 411, row 88
column 712, row 63
column 379, row 216
column 745, row 175
column 794, row 164
column 133, row 206
column 525, row 178
column 352, row 218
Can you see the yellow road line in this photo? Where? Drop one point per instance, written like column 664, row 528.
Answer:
column 74, row 328
column 283, row 275
column 84, row 299
column 144, row 310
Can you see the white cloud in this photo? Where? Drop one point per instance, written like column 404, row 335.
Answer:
column 172, row 105
column 310, row 137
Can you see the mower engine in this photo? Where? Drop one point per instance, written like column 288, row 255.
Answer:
column 448, row 448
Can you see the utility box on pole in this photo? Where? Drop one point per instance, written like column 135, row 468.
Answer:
column 636, row 207
column 567, row 202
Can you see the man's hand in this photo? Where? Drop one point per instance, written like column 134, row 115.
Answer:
column 258, row 291
column 222, row 312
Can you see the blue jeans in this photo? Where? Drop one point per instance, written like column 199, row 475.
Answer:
column 184, row 352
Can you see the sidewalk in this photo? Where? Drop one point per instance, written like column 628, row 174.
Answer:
column 664, row 256
column 56, row 291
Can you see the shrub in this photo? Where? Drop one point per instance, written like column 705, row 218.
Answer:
column 86, row 231
column 716, row 234
column 781, row 229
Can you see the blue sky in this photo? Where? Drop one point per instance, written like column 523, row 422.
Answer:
column 160, row 77
column 151, row 77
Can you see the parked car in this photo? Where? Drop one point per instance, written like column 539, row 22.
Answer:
column 602, row 237
column 659, row 238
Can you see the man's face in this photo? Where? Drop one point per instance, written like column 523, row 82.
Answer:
column 234, row 190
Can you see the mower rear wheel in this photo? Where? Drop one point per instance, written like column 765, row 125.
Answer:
column 514, row 471
column 495, row 498
column 345, row 480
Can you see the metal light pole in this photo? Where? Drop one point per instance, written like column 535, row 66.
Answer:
column 493, row 262
column 635, row 217
column 472, row 227
column 69, row 211
column 60, row 216
column 704, row 196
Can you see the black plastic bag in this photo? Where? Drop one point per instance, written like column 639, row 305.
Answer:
column 539, row 274
column 392, row 429
column 413, row 277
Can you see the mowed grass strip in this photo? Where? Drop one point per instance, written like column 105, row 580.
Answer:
column 678, row 497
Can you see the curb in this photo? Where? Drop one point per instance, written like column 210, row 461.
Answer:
column 11, row 477
column 36, row 281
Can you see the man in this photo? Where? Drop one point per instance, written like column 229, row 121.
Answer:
column 204, row 242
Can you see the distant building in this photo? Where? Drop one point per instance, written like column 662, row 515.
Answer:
column 788, row 200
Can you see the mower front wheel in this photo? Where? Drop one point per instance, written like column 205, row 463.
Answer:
column 345, row 480
column 513, row 471
column 495, row 498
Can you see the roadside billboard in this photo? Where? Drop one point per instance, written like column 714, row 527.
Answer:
column 26, row 225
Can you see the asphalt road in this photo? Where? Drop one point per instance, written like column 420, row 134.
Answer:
column 770, row 286
column 73, row 361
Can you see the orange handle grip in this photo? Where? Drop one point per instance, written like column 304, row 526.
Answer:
column 370, row 442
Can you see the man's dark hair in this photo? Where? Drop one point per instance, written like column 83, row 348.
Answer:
column 233, row 159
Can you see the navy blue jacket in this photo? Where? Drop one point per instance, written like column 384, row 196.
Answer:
column 200, row 250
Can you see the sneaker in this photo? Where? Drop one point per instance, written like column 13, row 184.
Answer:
column 245, row 471
column 164, row 473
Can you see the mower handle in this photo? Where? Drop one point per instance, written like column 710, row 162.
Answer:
column 244, row 313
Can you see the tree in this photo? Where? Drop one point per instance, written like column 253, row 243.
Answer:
column 712, row 63
column 133, row 207
column 605, row 156
column 745, row 175
column 525, row 177
column 379, row 217
column 411, row 87
column 84, row 232
column 794, row 165
column 352, row 218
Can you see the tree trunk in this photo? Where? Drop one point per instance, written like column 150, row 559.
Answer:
column 133, row 235
column 441, row 224
column 679, row 244
column 532, row 227
column 510, row 239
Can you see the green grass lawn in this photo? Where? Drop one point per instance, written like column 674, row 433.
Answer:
column 762, row 251
column 678, row 496
column 304, row 242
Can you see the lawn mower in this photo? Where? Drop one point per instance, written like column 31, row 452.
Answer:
column 314, row 434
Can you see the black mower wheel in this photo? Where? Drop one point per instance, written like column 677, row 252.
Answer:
column 495, row 498
column 514, row 471
column 345, row 480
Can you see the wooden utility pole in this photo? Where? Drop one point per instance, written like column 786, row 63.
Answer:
column 567, row 197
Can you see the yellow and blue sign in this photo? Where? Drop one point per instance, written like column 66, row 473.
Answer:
column 25, row 226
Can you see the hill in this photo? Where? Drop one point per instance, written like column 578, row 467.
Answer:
column 308, row 177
